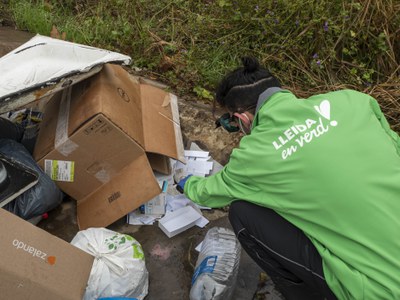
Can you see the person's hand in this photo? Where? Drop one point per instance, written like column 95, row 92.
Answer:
column 181, row 184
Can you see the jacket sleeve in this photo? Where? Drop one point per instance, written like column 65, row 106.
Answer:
column 220, row 189
column 384, row 123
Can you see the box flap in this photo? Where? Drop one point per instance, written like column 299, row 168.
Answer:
column 37, row 265
column 161, row 126
column 113, row 93
column 133, row 186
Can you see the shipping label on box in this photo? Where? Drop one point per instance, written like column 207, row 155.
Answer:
column 59, row 170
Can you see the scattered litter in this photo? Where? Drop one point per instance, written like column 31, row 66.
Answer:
column 198, row 248
column 196, row 154
column 137, row 218
column 175, row 202
column 174, row 212
column 156, row 206
column 196, row 164
column 202, row 222
column 179, row 220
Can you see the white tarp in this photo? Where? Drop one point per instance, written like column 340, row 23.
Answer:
column 44, row 65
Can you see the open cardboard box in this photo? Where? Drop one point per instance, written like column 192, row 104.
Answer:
column 102, row 138
column 37, row 265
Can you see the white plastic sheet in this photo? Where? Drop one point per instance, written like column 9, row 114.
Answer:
column 48, row 64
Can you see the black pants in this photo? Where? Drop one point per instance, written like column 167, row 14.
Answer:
column 282, row 250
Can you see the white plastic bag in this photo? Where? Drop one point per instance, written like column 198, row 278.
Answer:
column 119, row 267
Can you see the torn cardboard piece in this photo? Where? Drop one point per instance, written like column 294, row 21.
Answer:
column 110, row 128
column 36, row 265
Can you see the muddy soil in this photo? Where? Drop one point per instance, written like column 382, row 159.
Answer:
column 198, row 124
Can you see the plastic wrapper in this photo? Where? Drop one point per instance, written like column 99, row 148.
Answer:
column 217, row 266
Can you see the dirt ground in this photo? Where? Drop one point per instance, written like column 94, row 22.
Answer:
column 170, row 261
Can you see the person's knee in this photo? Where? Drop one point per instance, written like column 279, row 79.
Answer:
column 234, row 208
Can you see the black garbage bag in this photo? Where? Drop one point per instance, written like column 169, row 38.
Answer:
column 42, row 197
column 10, row 130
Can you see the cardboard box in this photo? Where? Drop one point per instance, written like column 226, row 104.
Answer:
column 37, row 265
column 101, row 140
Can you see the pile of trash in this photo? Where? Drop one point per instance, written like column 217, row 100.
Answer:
column 75, row 122
column 174, row 212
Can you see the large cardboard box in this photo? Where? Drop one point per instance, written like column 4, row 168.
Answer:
column 101, row 139
column 37, row 265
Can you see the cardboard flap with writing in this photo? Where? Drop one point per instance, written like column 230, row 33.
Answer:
column 114, row 93
column 133, row 186
column 162, row 132
column 37, row 265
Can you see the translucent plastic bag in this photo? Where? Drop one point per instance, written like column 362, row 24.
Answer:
column 119, row 268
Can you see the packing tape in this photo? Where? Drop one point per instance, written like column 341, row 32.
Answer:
column 177, row 127
column 61, row 143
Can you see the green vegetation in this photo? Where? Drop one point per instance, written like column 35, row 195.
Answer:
column 312, row 46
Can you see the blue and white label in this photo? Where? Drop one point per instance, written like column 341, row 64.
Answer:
column 206, row 266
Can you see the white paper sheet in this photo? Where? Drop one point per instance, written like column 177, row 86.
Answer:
column 178, row 221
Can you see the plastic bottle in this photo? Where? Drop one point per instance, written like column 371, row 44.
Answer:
column 217, row 266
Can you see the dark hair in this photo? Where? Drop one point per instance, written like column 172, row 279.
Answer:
column 240, row 88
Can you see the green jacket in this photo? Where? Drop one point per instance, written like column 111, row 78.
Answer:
column 330, row 165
